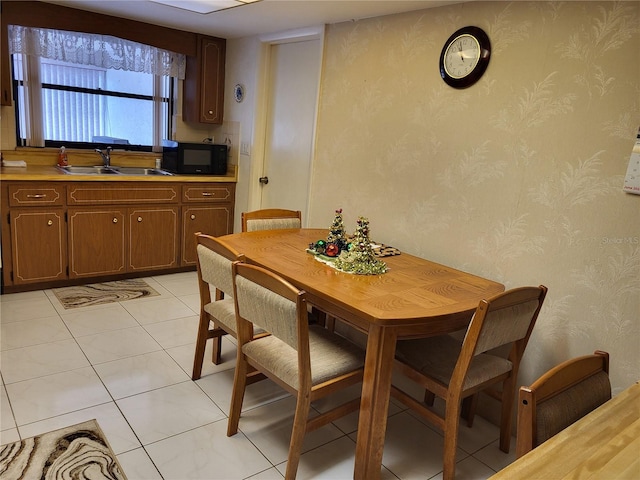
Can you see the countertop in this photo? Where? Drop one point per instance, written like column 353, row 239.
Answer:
column 42, row 173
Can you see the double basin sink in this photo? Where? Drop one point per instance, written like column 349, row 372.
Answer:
column 112, row 170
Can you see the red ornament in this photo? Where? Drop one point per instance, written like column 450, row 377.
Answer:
column 332, row 250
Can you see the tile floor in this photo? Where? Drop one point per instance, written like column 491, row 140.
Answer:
column 128, row 365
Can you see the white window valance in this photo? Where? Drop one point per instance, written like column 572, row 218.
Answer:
column 102, row 51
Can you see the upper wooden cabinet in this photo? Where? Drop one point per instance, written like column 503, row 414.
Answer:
column 203, row 95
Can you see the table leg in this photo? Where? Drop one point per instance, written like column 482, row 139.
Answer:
column 376, row 386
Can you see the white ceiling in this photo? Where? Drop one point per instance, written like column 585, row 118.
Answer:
column 267, row 16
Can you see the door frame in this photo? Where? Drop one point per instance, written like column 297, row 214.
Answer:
column 262, row 104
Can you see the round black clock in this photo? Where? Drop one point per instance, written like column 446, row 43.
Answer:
column 465, row 57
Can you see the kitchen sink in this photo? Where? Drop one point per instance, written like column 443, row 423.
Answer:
column 93, row 170
column 140, row 171
column 113, row 170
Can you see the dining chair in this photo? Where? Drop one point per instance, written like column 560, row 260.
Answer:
column 308, row 361
column 271, row 219
column 560, row 397
column 217, row 317
column 455, row 370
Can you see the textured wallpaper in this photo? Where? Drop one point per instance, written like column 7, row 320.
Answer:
column 517, row 178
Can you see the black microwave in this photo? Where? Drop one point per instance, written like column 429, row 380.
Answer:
column 194, row 158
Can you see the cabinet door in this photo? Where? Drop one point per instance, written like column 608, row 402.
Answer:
column 96, row 242
column 153, row 238
column 203, row 94
column 212, row 220
column 38, row 245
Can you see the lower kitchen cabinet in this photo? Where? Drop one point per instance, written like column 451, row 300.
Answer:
column 97, row 242
column 207, row 208
column 38, row 245
column 153, row 238
column 214, row 221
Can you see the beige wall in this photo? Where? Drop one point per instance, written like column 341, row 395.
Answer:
column 518, row 178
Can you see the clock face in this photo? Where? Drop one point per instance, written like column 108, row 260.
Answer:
column 465, row 57
column 462, row 56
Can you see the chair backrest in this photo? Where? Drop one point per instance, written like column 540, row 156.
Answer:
column 560, row 397
column 505, row 319
column 270, row 302
column 271, row 219
column 214, row 265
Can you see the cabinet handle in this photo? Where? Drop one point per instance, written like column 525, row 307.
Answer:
column 193, row 217
column 208, row 194
column 50, row 222
column 37, row 195
column 139, row 219
column 115, row 220
column 210, row 112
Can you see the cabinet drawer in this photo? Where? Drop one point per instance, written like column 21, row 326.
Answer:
column 27, row 195
column 118, row 194
column 209, row 192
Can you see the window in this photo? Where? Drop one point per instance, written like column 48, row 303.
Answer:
column 121, row 97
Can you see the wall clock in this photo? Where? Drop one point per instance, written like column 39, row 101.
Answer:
column 465, row 57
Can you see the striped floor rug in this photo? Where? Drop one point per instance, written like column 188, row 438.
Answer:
column 99, row 293
column 78, row 452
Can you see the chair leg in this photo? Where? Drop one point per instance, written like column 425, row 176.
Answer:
column 508, row 396
column 216, row 356
column 297, row 434
column 429, row 398
column 201, row 343
column 237, row 396
column 469, row 408
column 451, row 424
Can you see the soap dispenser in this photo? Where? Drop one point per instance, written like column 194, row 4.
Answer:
column 63, row 160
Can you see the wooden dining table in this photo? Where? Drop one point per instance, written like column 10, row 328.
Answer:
column 603, row 445
column 414, row 298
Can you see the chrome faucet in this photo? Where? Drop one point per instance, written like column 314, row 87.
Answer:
column 106, row 157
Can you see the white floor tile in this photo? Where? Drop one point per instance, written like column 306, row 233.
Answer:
column 157, row 309
column 207, row 452
column 133, row 375
column 271, row 474
column 495, row 458
column 26, row 309
column 192, row 301
column 107, row 318
column 113, row 424
column 269, row 428
column 220, row 386
column 470, row 469
column 6, row 414
column 184, row 354
column 116, row 344
column 168, row 411
column 39, row 360
column 9, row 436
column 45, row 397
column 411, row 449
column 332, row 461
column 32, row 332
column 137, row 465
column 10, row 297
column 173, row 333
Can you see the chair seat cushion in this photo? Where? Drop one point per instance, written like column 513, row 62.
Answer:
column 437, row 357
column 331, row 355
column 224, row 313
